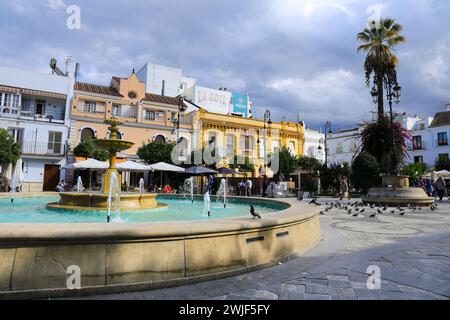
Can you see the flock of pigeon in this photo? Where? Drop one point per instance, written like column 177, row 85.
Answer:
column 359, row 208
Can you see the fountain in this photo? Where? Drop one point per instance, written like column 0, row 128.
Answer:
column 80, row 187
column 114, row 200
column 141, row 186
column 207, row 204
column 188, row 188
column 222, row 192
column 99, row 200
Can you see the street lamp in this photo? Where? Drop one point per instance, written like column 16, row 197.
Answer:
column 393, row 94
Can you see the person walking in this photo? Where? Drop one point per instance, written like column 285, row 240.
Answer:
column 440, row 188
column 249, row 186
column 344, row 188
column 429, row 188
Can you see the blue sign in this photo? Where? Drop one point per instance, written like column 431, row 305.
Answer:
column 240, row 104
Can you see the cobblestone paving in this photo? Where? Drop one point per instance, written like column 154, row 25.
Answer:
column 412, row 252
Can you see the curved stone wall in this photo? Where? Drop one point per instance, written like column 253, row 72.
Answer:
column 129, row 257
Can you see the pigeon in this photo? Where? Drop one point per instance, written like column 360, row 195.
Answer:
column 432, row 208
column 373, row 215
column 254, row 213
column 362, row 211
column 349, row 211
column 393, row 211
column 402, row 213
column 322, row 213
column 385, row 208
column 379, row 211
column 356, row 215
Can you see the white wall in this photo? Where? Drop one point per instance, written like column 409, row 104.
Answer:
column 154, row 75
column 312, row 144
column 347, row 142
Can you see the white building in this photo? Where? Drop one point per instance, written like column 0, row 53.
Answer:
column 34, row 109
column 343, row 145
column 168, row 81
column 429, row 140
column 314, row 145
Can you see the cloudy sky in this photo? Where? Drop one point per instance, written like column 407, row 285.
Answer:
column 290, row 55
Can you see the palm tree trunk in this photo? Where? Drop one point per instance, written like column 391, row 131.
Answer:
column 380, row 96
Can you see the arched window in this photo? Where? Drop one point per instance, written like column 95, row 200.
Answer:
column 87, row 134
column 118, row 136
column 159, row 138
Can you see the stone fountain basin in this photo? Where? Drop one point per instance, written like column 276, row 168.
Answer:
column 99, row 201
column 113, row 145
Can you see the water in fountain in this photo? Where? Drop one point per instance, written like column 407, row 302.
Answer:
column 114, row 199
column 188, row 188
column 141, row 186
column 222, row 192
column 80, row 187
column 207, row 205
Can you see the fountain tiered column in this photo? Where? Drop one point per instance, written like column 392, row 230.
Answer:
column 99, row 200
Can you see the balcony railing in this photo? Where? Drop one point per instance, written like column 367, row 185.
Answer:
column 124, row 112
column 44, row 148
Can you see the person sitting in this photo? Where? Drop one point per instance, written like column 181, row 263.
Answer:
column 167, row 189
column 61, row 187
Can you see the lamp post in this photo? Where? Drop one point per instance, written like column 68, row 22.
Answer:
column 393, row 93
column 176, row 122
column 328, row 131
column 267, row 122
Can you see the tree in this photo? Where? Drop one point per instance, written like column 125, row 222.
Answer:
column 329, row 175
column 365, row 172
column 158, row 151
column 308, row 164
column 376, row 139
column 88, row 149
column 380, row 62
column 9, row 150
column 288, row 163
column 414, row 171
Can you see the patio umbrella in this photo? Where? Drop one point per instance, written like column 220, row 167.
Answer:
column 443, row 173
column 199, row 171
column 86, row 165
column 131, row 166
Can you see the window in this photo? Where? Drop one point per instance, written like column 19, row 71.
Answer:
column 421, row 126
column 116, row 110
column 26, row 107
column 54, row 142
column 418, row 159
column 90, row 107
column 246, row 144
column 443, row 158
column 442, row 139
column 7, row 100
column 150, row 115
column 231, row 145
column 292, row 147
column 87, row 134
column 417, row 143
column 40, row 107
column 17, row 133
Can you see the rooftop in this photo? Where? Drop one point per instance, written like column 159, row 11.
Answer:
column 441, row 119
column 95, row 88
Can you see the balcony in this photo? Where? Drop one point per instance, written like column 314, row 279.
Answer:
column 44, row 149
column 128, row 112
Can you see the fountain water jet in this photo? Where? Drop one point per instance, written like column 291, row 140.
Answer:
column 207, row 204
column 141, row 186
column 80, row 187
column 222, row 192
column 188, row 188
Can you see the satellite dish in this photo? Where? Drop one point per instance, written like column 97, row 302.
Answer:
column 53, row 63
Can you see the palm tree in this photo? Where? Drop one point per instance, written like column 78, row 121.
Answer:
column 381, row 61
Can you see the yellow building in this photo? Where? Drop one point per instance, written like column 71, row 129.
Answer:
column 145, row 117
column 246, row 138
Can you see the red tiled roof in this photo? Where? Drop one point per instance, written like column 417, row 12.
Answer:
column 95, row 88
column 161, row 99
column 441, row 119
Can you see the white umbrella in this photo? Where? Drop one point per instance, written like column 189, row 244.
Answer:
column 443, row 173
column 162, row 166
column 87, row 164
column 132, row 166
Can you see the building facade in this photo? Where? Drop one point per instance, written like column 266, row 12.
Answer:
column 146, row 117
column 34, row 109
column 246, row 138
column 314, row 145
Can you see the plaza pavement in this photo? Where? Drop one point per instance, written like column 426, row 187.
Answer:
column 412, row 252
